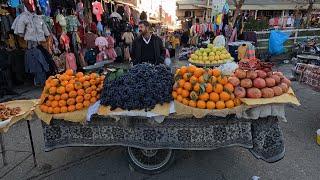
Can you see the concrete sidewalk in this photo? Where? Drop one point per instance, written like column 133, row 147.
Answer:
column 301, row 160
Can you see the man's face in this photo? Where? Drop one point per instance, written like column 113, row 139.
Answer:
column 143, row 29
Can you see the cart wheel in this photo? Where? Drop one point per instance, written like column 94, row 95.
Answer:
column 150, row 161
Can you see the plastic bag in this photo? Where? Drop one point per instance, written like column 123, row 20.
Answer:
column 276, row 40
column 219, row 41
column 228, row 68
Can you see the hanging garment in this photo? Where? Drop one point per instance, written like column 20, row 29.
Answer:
column 100, row 28
column 31, row 27
column 112, row 55
column 242, row 51
column 89, row 40
column 79, row 10
column 61, row 20
column 65, row 41
column 71, row 61
column 60, row 63
column 36, row 64
column 101, row 56
column 14, row 3
column 45, row 8
column 72, row 23
column 101, row 41
column 49, row 22
column 52, row 66
column 97, row 10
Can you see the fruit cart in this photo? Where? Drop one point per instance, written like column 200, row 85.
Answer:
column 151, row 146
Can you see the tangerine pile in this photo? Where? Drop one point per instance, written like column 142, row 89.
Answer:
column 70, row 91
column 203, row 88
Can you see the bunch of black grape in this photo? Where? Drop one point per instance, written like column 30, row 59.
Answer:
column 142, row 87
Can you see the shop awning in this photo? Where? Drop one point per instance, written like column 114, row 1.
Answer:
column 128, row 4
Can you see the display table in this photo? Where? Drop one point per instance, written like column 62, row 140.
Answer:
column 263, row 137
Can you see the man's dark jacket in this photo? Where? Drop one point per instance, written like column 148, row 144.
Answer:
column 158, row 49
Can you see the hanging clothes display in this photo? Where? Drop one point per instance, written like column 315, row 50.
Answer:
column 72, row 23
column 97, row 10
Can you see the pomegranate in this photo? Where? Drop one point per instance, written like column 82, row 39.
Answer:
column 269, row 74
column 287, row 81
column 261, row 74
column 259, row 83
column 280, row 74
column 251, row 74
column 239, row 73
column 240, row 92
column 270, row 82
column 284, row 87
column 267, row 93
column 277, row 90
column 267, row 70
column 234, row 81
column 254, row 93
column 276, row 78
column 246, row 83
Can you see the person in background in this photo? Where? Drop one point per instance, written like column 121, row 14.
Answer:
column 185, row 39
column 147, row 47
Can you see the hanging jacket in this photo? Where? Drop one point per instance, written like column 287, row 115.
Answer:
column 31, row 27
column 71, row 61
column 35, row 61
column 52, row 66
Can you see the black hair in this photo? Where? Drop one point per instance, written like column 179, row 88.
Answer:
column 145, row 23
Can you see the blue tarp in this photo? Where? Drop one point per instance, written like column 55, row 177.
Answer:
column 276, row 40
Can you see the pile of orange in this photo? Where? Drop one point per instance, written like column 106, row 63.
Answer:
column 203, row 88
column 70, row 91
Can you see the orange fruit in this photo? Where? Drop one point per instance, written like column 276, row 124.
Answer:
column 220, row 105
column 52, row 90
column 54, row 104
column 93, row 99
column 192, row 103
column 79, row 74
column 64, row 83
column 223, row 80
column 209, row 88
column 192, row 68
column 51, row 98
column 201, row 104
column 73, row 94
column 50, row 110
column 62, row 103
column 218, row 88
column 71, row 108
column 69, row 87
column 214, row 97
column 179, row 91
column 216, row 72
column 64, row 109
column 229, row 104
column 93, row 75
column 79, row 99
column 69, row 72
column 61, row 90
column 54, row 82
column 48, row 103
column 196, row 87
column 204, row 96
column 56, row 110
column 185, row 93
column 87, row 96
column 224, row 96
column 237, row 102
column 81, row 79
column 86, row 103
column 87, row 78
column 80, row 92
column 78, row 85
column 179, row 98
column 64, row 96
column 88, row 90
column 183, row 70
column 211, row 105
column 44, row 108
column 94, row 93
column 92, row 81
column 210, row 72
column 71, row 101
column 57, row 97
column 174, row 94
column 93, row 87
column 185, row 101
column 187, row 86
column 181, row 82
column 79, row 106
column 193, row 80
column 186, row 76
column 229, row 87
column 198, row 72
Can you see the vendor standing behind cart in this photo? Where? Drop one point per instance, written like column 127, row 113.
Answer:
column 147, row 47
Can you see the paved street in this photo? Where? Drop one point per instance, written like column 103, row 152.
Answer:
column 300, row 162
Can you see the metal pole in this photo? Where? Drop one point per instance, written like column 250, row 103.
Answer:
column 3, row 151
column 32, row 146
